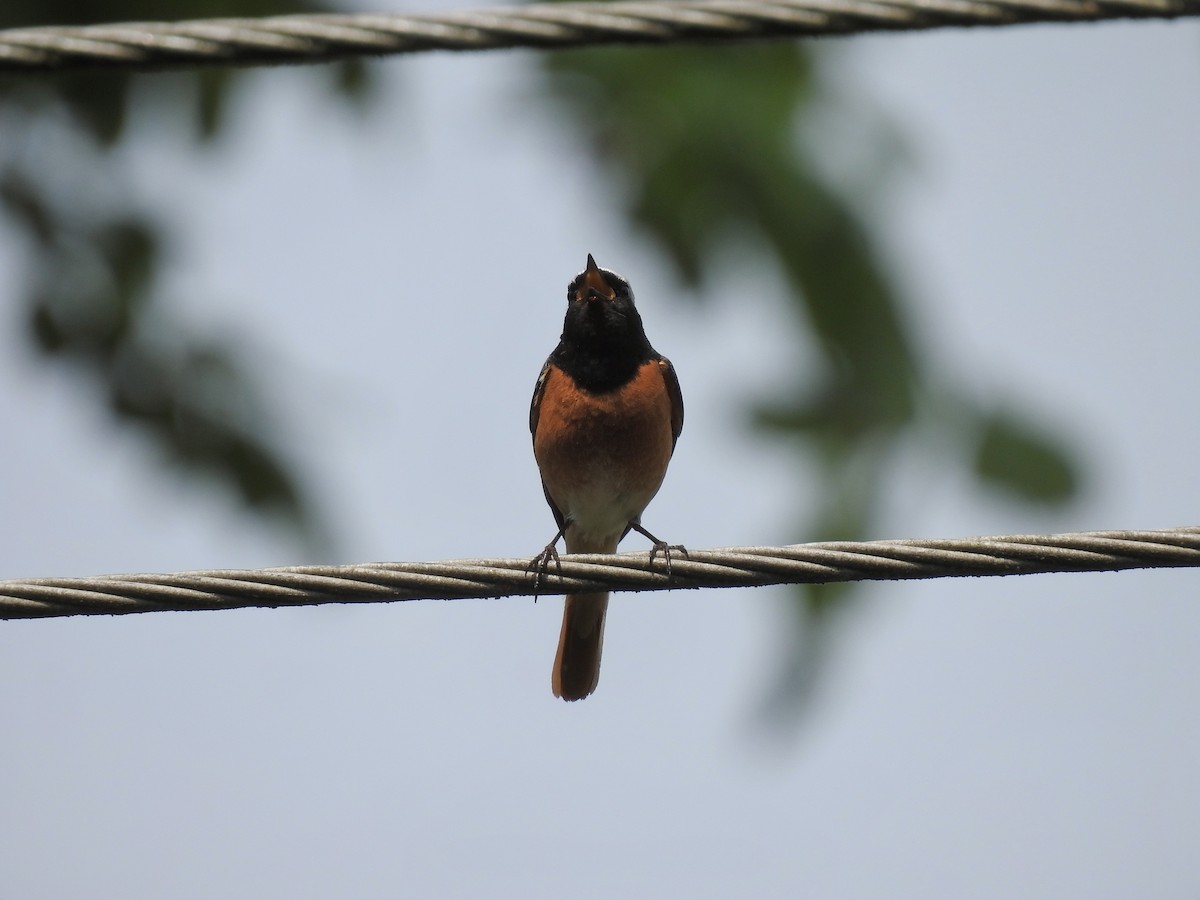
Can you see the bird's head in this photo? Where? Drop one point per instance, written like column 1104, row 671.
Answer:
column 600, row 307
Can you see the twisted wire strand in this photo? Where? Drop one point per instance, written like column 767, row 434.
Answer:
column 817, row 563
column 321, row 38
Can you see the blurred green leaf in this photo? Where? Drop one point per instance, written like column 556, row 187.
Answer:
column 91, row 290
column 1018, row 458
column 705, row 142
column 47, row 334
column 22, row 201
column 99, row 103
column 130, row 246
column 702, row 146
column 689, row 131
column 213, row 86
column 351, row 78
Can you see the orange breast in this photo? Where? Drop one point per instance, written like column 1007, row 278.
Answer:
column 603, row 456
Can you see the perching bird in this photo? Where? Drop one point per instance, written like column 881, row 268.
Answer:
column 606, row 414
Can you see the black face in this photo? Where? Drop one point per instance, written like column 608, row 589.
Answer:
column 600, row 309
column 603, row 343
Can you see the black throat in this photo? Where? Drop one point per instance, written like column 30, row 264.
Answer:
column 602, row 347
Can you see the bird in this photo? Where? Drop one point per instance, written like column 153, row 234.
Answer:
column 606, row 414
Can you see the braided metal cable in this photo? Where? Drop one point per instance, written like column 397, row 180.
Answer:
column 1096, row 551
column 321, row 38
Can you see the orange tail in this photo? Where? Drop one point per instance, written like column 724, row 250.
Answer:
column 577, row 663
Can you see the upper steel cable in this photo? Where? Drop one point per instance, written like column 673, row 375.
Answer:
column 736, row 567
column 321, row 38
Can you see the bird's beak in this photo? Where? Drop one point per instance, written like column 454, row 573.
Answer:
column 594, row 284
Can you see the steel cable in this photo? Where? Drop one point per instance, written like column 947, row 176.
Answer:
column 481, row 578
column 322, row 38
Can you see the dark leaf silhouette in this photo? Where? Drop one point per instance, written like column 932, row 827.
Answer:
column 1020, row 459
column 91, row 294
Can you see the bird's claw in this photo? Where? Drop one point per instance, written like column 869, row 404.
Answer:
column 665, row 549
column 540, row 564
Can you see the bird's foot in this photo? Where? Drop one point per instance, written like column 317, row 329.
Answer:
column 666, row 549
column 659, row 546
column 540, row 565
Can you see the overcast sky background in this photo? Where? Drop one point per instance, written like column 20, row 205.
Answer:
column 400, row 280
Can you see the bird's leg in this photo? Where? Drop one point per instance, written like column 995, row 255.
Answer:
column 540, row 563
column 659, row 546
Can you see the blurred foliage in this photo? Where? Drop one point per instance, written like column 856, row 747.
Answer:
column 1015, row 457
column 703, row 144
column 90, row 294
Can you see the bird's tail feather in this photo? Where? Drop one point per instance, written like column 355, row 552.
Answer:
column 577, row 663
